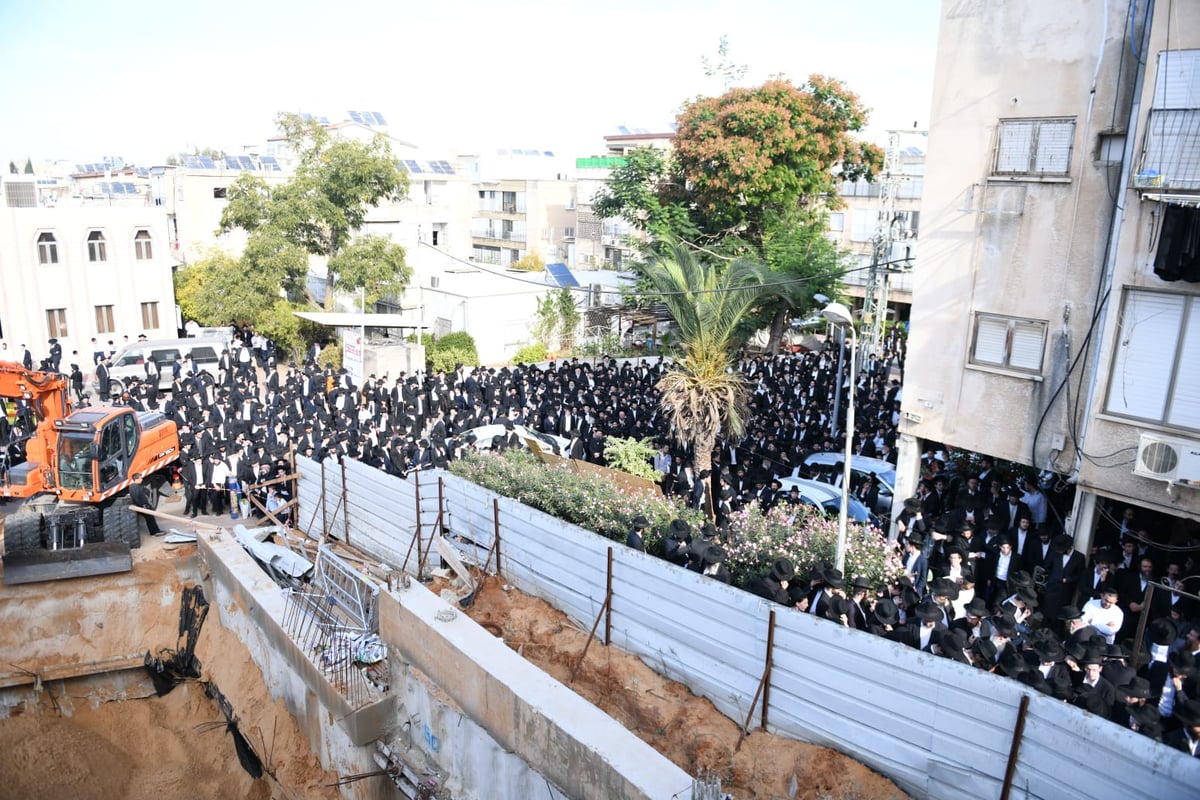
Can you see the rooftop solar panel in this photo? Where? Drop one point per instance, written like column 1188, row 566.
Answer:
column 142, row 172
column 231, row 162
column 548, row 153
column 207, row 163
column 117, row 188
column 562, row 275
column 357, row 117
column 413, row 166
column 245, row 162
column 379, row 120
column 130, row 188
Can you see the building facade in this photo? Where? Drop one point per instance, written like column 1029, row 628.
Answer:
column 1056, row 309
column 81, row 269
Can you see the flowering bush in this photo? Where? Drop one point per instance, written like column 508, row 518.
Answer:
column 752, row 540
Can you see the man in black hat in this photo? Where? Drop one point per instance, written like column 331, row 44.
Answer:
column 774, row 585
column 1187, row 736
column 916, row 567
column 975, row 620
column 1094, row 693
column 1051, row 663
column 858, row 606
column 924, row 633
column 140, row 498
column 712, row 564
column 1063, row 568
column 634, row 539
column 1001, row 562
column 910, row 521
column 676, row 545
column 1131, row 697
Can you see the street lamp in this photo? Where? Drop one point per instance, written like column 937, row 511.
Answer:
column 838, row 314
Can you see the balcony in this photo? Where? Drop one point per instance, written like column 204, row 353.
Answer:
column 1171, row 160
column 499, row 236
column 501, row 208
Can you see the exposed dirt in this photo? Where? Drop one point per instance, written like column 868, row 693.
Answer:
column 136, row 750
column 682, row 726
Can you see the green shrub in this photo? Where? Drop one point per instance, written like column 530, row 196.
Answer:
column 531, row 354
column 632, row 456
column 330, row 356
column 752, row 541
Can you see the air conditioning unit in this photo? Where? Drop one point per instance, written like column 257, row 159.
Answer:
column 1168, row 458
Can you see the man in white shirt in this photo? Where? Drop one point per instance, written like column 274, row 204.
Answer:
column 1104, row 615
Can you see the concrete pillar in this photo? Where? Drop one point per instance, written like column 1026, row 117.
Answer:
column 1082, row 522
column 908, row 475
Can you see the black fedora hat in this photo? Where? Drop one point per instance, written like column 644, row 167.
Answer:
column 985, row 649
column 1188, row 713
column 680, row 529
column 1013, row 662
column 834, row 579
column 860, row 584
column 1162, row 631
column 886, row 613
column 782, row 570
column 1035, row 680
column 1050, row 650
column 1138, row 687
column 1182, row 663
column 929, row 612
column 977, row 607
column 640, row 521
column 1069, row 613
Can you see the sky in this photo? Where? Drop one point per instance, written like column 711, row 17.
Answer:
column 143, row 79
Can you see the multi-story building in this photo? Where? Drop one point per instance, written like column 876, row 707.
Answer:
column 1057, row 306
column 855, row 227
column 82, row 265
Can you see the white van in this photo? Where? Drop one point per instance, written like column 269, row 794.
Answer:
column 130, row 361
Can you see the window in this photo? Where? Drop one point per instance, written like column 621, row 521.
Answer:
column 1171, row 149
column 435, row 238
column 96, row 249
column 47, row 249
column 1008, row 343
column 1034, row 147
column 149, row 316
column 104, row 319
column 142, row 247
column 56, row 322
column 1153, row 378
column 220, row 192
column 862, row 224
column 837, row 221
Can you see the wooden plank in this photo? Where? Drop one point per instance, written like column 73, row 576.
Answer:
column 33, row 566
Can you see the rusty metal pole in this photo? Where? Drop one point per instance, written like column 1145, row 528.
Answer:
column 324, row 519
column 770, row 662
column 1142, row 619
column 441, row 504
column 608, row 602
column 345, row 505
column 496, row 519
column 1018, row 732
column 417, row 500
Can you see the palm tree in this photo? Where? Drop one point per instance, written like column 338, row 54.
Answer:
column 701, row 394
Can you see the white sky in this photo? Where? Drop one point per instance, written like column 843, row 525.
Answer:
column 145, row 78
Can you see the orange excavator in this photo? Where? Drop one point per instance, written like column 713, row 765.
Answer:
column 72, row 470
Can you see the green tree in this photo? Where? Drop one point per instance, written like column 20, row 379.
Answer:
column 319, row 210
column 646, row 193
column 545, row 321
column 701, row 394
column 770, row 149
column 12, row 168
column 28, row 166
column 803, row 262
column 568, row 318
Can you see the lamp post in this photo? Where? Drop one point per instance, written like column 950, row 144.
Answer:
column 838, row 314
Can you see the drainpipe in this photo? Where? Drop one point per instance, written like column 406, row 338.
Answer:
column 1083, row 512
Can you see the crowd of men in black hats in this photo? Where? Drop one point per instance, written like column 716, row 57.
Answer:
column 985, row 586
column 986, row 580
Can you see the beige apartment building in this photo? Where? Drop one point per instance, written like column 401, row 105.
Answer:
column 79, row 263
column 1056, row 313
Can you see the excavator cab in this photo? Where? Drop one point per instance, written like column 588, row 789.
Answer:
column 76, row 458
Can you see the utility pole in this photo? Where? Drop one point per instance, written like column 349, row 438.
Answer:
column 875, row 299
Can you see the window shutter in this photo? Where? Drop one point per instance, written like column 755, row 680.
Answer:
column 837, row 221
column 1028, row 343
column 1054, row 140
column 863, row 224
column 1177, row 81
column 1145, row 353
column 991, row 338
column 1185, row 398
column 1012, row 151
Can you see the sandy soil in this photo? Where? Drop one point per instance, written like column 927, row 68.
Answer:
column 682, row 726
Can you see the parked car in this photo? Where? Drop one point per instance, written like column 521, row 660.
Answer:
column 130, row 361
column 827, row 468
column 481, row 438
column 829, row 499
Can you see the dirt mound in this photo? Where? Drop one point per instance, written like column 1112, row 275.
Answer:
column 682, row 726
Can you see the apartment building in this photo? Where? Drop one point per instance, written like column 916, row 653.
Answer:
column 79, row 265
column 1056, row 313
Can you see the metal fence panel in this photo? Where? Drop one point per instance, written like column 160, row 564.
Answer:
column 939, row 729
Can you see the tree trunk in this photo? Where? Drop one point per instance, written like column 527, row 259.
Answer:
column 702, row 461
column 778, row 324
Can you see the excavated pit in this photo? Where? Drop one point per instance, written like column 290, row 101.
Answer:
column 80, row 716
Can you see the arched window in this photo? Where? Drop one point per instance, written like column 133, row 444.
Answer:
column 47, row 249
column 96, row 248
column 142, row 246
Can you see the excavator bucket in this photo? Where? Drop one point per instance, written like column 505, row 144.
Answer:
column 33, row 566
